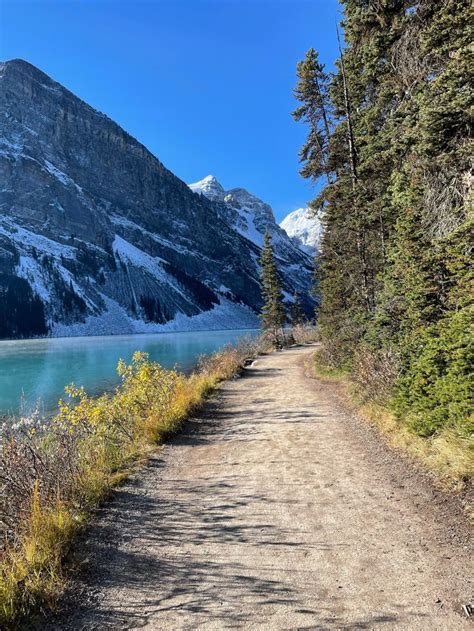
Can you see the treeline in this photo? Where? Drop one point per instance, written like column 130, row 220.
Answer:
column 390, row 142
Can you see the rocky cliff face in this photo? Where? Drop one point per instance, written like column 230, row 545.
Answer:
column 97, row 236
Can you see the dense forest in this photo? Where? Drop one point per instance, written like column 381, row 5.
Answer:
column 389, row 141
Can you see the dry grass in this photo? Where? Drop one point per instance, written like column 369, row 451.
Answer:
column 375, row 374
column 52, row 474
column 447, row 455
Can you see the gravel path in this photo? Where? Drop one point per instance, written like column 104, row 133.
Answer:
column 274, row 510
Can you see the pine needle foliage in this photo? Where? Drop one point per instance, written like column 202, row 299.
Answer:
column 297, row 315
column 390, row 141
column 273, row 311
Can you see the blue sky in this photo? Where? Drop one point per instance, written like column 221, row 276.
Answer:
column 206, row 85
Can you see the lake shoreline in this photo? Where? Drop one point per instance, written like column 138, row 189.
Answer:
column 38, row 369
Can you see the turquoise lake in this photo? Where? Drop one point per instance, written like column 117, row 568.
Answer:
column 36, row 371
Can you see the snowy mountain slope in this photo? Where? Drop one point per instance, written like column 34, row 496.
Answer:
column 251, row 218
column 96, row 234
column 304, row 230
column 209, row 187
column 249, row 214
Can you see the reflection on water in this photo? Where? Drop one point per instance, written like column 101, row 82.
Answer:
column 38, row 370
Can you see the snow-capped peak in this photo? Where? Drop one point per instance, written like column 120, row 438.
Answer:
column 251, row 217
column 245, row 212
column 304, row 229
column 209, row 187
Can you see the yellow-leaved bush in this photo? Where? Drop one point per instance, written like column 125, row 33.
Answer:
column 52, row 473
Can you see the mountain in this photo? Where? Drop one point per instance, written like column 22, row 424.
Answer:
column 251, row 218
column 305, row 231
column 98, row 237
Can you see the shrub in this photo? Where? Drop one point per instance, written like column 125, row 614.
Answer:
column 375, row 371
column 434, row 392
column 303, row 333
column 52, row 474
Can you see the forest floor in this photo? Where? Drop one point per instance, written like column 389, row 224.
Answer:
column 275, row 509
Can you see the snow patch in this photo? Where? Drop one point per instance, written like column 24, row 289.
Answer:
column 131, row 225
column 209, row 187
column 224, row 290
column 29, row 269
column 137, row 257
column 116, row 321
column 61, row 176
column 249, row 230
column 303, row 229
column 23, row 237
column 9, row 149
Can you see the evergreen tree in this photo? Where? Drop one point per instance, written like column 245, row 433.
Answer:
column 297, row 315
column 312, row 92
column 393, row 267
column 273, row 310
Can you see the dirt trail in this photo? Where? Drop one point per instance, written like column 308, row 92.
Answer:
column 275, row 510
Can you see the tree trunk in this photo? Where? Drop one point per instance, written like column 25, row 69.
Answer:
column 350, row 133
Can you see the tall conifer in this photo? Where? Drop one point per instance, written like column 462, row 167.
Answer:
column 273, row 310
column 312, row 92
column 297, row 315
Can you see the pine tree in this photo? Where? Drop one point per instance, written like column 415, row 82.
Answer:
column 312, row 91
column 393, row 267
column 273, row 310
column 297, row 315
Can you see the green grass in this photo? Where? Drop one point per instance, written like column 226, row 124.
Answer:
column 329, row 372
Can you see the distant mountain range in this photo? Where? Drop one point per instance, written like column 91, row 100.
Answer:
column 98, row 237
column 252, row 217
